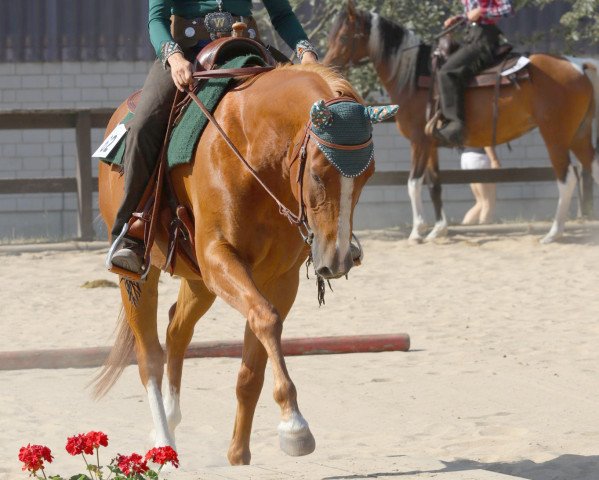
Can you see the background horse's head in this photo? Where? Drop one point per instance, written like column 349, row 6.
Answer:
column 348, row 37
column 338, row 151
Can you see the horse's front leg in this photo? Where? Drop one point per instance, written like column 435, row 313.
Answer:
column 229, row 278
column 440, row 228
column 415, row 191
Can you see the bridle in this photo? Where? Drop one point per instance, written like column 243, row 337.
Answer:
column 358, row 33
column 300, row 151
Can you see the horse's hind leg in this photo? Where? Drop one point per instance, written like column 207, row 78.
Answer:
column 251, row 378
column 141, row 316
column 419, row 154
column 193, row 301
column 566, row 184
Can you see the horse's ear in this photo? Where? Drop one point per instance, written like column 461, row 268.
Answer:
column 352, row 12
column 380, row 114
column 321, row 115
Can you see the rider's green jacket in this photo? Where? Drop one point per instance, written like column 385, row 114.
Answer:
column 283, row 19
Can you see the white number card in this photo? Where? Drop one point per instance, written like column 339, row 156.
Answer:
column 111, row 141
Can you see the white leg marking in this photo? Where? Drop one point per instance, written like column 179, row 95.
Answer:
column 163, row 436
column 440, row 228
column 172, row 408
column 344, row 220
column 295, row 438
column 566, row 189
column 415, row 192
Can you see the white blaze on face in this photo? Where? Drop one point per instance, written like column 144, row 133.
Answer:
column 344, row 220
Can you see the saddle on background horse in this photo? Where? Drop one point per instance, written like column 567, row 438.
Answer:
column 508, row 68
column 160, row 220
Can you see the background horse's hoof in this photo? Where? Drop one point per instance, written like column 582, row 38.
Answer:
column 297, row 443
column 547, row 239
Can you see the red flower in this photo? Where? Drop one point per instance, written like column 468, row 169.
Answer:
column 162, row 455
column 33, row 457
column 78, row 444
column 96, row 439
column 131, row 464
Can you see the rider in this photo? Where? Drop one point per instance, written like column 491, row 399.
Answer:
column 474, row 55
column 171, row 71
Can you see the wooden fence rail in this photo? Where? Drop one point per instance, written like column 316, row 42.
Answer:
column 84, row 185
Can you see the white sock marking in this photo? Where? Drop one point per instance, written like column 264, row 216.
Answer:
column 415, row 192
column 566, row 189
column 163, row 436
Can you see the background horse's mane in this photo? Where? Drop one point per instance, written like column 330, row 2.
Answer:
column 337, row 83
column 388, row 42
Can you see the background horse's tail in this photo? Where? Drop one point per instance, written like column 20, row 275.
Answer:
column 591, row 69
column 119, row 357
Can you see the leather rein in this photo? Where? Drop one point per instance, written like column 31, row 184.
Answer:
column 300, row 219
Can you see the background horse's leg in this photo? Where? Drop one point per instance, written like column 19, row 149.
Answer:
column 440, row 228
column 566, row 184
column 228, row 277
column 193, row 301
column 419, row 162
column 150, row 357
column 282, row 293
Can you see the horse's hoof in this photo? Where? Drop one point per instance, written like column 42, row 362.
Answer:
column 297, row 444
column 415, row 239
column 295, row 437
column 437, row 233
column 547, row 239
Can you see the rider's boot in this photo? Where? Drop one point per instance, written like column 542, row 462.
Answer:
column 130, row 256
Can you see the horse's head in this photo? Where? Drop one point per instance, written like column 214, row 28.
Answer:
column 348, row 38
column 337, row 152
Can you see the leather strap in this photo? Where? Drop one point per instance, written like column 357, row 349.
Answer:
column 231, row 72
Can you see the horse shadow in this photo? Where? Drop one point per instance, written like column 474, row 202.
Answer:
column 564, row 467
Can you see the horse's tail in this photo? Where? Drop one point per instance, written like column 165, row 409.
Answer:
column 591, row 69
column 117, row 360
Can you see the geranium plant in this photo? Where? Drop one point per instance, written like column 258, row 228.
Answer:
column 122, row 467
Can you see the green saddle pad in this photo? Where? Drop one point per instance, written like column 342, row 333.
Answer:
column 187, row 132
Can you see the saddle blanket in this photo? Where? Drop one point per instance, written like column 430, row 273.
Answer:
column 187, row 132
column 519, row 65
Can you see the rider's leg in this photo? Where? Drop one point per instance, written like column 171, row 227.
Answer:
column 453, row 77
column 144, row 138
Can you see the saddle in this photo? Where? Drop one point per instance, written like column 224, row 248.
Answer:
column 507, row 69
column 165, row 225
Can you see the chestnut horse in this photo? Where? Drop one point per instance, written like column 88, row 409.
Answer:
column 249, row 254
column 558, row 99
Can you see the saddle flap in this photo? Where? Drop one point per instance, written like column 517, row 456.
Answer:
column 223, row 49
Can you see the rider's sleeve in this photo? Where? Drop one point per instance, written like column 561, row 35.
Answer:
column 285, row 22
column 159, row 23
column 496, row 8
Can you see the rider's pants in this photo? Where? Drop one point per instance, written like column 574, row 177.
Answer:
column 144, row 139
column 475, row 54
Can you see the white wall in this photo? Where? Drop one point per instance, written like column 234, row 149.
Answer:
column 52, row 153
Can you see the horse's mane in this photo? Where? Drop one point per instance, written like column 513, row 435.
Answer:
column 388, row 42
column 336, row 82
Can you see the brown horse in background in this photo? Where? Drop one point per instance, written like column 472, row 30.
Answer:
column 249, row 254
column 558, row 99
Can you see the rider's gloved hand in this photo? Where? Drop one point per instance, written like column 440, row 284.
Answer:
column 181, row 71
